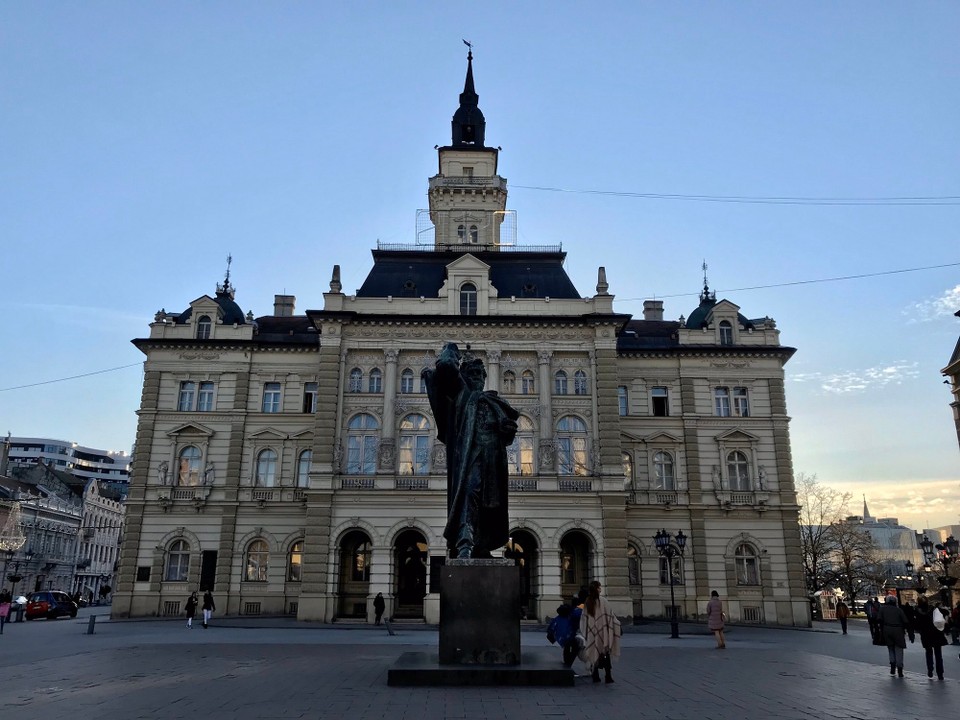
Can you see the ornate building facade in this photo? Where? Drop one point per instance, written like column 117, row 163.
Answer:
column 290, row 462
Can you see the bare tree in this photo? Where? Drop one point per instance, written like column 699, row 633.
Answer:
column 820, row 508
column 856, row 559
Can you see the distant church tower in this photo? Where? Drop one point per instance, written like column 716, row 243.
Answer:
column 467, row 197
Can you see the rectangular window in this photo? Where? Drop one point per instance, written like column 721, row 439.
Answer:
column 747, row 573
column 310, row 391
column 362, row 455
column 143, row 573
column 721, row 398
column 660, row 401
column 622, row 405
column 741, row 405
column 414, row 455
column 188, row 392
column 271, row 397
column 676, row 565
column 205, row 398
column 572, row 455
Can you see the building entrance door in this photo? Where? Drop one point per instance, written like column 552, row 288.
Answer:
column 410, row 574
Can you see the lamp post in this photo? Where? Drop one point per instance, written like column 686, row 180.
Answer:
column 15, row 576
column 945, row 555
column 671, row 548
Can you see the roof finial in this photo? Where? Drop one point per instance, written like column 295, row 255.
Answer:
column 706, row 294
column 226, row 288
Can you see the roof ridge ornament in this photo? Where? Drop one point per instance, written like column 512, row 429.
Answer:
column 706, row 295
column 226, row 288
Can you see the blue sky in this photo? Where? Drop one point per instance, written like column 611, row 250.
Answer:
column 140, row 143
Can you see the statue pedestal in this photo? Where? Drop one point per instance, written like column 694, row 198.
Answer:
column 480, row 612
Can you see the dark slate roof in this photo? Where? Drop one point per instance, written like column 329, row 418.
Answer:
column 287, row 330
column 648, row 335
column 224, row 298
column 416, row 273
column 707, row 302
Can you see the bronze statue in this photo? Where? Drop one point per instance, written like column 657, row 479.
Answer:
column 477, row 427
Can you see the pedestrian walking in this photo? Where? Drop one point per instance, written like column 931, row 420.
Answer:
column 929, row 622
column 379, row 605
column 894, row 628
column 716, row 618
column 208, row 607
column 601, row 634
column 843, row 612
column 192, row 603
column 872, row 609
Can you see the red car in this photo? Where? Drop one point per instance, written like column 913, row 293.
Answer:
column 50, row 604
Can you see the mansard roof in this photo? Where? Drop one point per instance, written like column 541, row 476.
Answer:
column 648, row 335
column 418, row 273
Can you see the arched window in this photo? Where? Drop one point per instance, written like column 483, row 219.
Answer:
column 267, row 468
column 575, row 549
column 203, row 327
column 663, row 476
column 527, row 385
column 738, row 471
column 295, row 562
column 633, row 566
column 509, row 382
column 363, row 433
column 468, row 299
column 257, row 561
column 461, row 233
column 726, row 333
column 189, row 473
column 376, row 381
column 360, row 559
column 748, row 565
column 406, row 381
column 560, row 383
column 579, row 383
column 474, row 235
column 627, row 469
column 356, row 380
column 520, row 456
column 178, row 562
column 572, row 446
column 414, row 445
column 303, row 468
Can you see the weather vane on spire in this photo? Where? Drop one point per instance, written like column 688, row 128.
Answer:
column 227, row 289
column 470, row 48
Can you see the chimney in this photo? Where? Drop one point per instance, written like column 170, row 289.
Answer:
column 283, row 305
column 653, row 309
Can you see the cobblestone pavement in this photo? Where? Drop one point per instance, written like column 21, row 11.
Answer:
column 282, row 669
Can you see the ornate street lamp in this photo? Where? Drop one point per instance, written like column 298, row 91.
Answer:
column 671, row 548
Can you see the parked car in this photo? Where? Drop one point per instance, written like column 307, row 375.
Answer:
column 50, row 604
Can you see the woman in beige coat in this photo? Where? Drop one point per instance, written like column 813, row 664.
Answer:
column 716, row 618
column 601, row 634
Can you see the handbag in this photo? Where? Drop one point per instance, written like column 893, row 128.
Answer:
column 939, row 619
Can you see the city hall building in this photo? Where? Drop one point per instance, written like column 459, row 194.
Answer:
column 289, row 462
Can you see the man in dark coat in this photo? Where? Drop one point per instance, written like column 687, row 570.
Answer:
column 477, row 427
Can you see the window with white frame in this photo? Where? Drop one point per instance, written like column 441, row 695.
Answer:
column 414, row 457
column 257, row 562
column 671, row 569
column 520, row 453
column 267, row 468
column 303, row 468
column 527, row 384
column 376, row 381
column 509, row 382
column 623, row 405
column 468, row 299
column 726, row 333
column 572, row 456
column 560, row 383
column 660, row 401
column 474, row 234
column 205, row 397
column 363, row 434
column 295, row 562
column 178, row 562
column 356, row 380
column 271, row 397
column 406, row 381
column 721, row 401
column 461, row 233
column 189, row 399
column 188, row 472
column 663, row 474
column 579, row 383
column 423, row 386
column 204, row 326
column 188, row 391
column 310, row 392
column 741, row 403
column 748, row 565
column 738, row 471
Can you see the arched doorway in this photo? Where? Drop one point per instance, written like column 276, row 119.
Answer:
column 574, row 563
column 410, row 574
column 354, row 582
column 522, row 547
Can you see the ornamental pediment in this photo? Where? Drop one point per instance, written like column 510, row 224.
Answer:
column 190, row 429
column 267, row 434
column 660, row 438
column 737, row 435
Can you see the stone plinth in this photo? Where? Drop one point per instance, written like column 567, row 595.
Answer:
column 480, row 612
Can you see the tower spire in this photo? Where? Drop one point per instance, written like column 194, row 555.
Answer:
column 866, row 513
column 468, row 122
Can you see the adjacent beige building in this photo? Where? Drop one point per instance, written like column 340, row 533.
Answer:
column 290, row 462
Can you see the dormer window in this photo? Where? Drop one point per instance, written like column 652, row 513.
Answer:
column 726, row 333
column 203, row 327
column 468, row 299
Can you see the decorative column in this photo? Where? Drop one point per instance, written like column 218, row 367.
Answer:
column 547, row 460
column 387, row 454
column 493, row 370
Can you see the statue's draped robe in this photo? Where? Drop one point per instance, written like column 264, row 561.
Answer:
column 469, row 424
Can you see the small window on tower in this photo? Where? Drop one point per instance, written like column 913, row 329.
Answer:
column 468, row 134
column 468, row 172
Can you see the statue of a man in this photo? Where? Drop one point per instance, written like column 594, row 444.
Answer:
column 477, row 427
